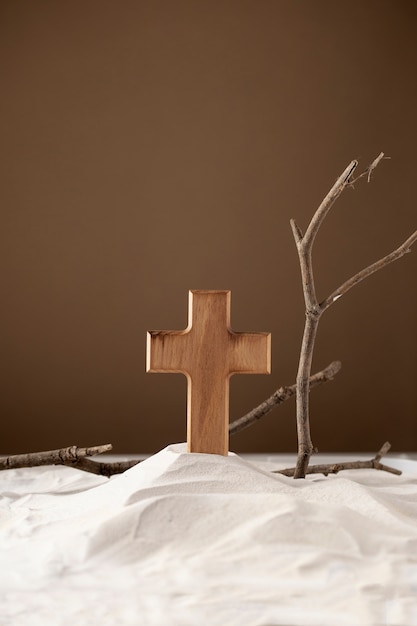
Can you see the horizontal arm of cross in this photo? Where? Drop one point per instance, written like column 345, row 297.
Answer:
column 167, row 351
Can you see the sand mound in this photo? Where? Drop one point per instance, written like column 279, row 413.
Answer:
column 190, row 539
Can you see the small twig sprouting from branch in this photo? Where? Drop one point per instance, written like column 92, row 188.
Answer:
column 382, row 452
column 279, row 396
column 374, row 164
column 334, row 468
column 370, row 169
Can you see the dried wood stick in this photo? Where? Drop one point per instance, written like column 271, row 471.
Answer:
column 62, row 456
column 279, row 396
column 314, row 309
column 368, row 271
column 334, row 468
column 71, row 456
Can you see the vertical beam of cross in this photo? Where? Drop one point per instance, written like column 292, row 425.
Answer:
column 208, row 352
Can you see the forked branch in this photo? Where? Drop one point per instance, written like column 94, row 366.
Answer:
column 314, row 309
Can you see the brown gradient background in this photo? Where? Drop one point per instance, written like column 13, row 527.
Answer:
column 152, row 147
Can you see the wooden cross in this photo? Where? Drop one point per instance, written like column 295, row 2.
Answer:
column 208, row 352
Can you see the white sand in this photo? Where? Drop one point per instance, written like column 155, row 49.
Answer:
column 201, row 540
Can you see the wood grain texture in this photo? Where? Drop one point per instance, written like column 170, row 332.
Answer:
column 208, row 352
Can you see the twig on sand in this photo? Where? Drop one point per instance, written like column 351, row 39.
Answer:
column 78, row 459
column 71, row 456
column 334, row 468
column 63, row 456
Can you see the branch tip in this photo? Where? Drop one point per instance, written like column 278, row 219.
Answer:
column 351, row 168
column 383, row 451
column 296, row 231
column 374, row 164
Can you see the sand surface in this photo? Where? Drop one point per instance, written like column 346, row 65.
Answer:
column 185, row 540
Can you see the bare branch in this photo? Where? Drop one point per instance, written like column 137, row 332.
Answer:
column 314, row 310
column 368, row 271
column 297, row 232
column 63, row 456
column 72, row 457
column 334, row 468
column 279, row 396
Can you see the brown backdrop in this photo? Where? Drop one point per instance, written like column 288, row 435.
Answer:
column 152, row 147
